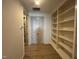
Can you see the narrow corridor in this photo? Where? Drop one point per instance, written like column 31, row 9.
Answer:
column 39, row 29
column 40, row 52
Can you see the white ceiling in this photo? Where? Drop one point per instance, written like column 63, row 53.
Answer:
column 47, row 6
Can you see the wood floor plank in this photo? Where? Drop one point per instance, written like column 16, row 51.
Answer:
column 40, row 51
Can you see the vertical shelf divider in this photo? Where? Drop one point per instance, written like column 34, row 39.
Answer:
column 74, row 56
column 57, row 30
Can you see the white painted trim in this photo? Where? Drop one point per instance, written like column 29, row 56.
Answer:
column 4, row 57
column 22, row 56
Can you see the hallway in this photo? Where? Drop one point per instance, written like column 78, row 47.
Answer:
column 39, row 29
column 40, row 51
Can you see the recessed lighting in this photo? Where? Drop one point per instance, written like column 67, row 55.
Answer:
column 37, row 3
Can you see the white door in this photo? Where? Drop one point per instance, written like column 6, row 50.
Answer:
column 37, row 29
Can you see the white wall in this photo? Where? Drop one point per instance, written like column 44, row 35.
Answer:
column 47, row 26
column 13, row 36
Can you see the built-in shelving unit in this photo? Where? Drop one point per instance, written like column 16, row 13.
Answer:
column 25, row 30
column 54, row 28
column 64, row 29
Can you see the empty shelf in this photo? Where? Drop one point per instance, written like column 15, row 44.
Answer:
column 66, row 29
column 69, row 49
column 66, row 11
column 65, row 38
column 54, row 39
column 60, row 51
column 54, row 34
column 66, row 21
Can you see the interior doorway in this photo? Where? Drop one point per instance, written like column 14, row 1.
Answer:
column 37, row 29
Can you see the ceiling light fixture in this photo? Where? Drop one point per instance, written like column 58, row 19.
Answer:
column 37, row 3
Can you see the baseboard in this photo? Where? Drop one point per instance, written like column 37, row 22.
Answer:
column 22, row 56
column 4, row 57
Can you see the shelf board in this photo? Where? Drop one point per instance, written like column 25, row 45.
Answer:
column 60, row 51
column 54, row 34
column 66, row 20
column 54, row 39
column 65, row 38
column 66, row 11
column 63, row 54
column 54, row 23
column 66, row 47
column 54, row 29
column 66, row 29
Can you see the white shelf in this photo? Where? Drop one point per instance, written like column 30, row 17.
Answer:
column 54, row 34
column 54, row 39
column 67, row 20
column 65, row 38
column 66, row 47
column 66, row 11
column 60, row 51
column 63, row 54
column 66, row 29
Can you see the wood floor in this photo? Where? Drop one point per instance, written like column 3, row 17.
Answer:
column 40, row 52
